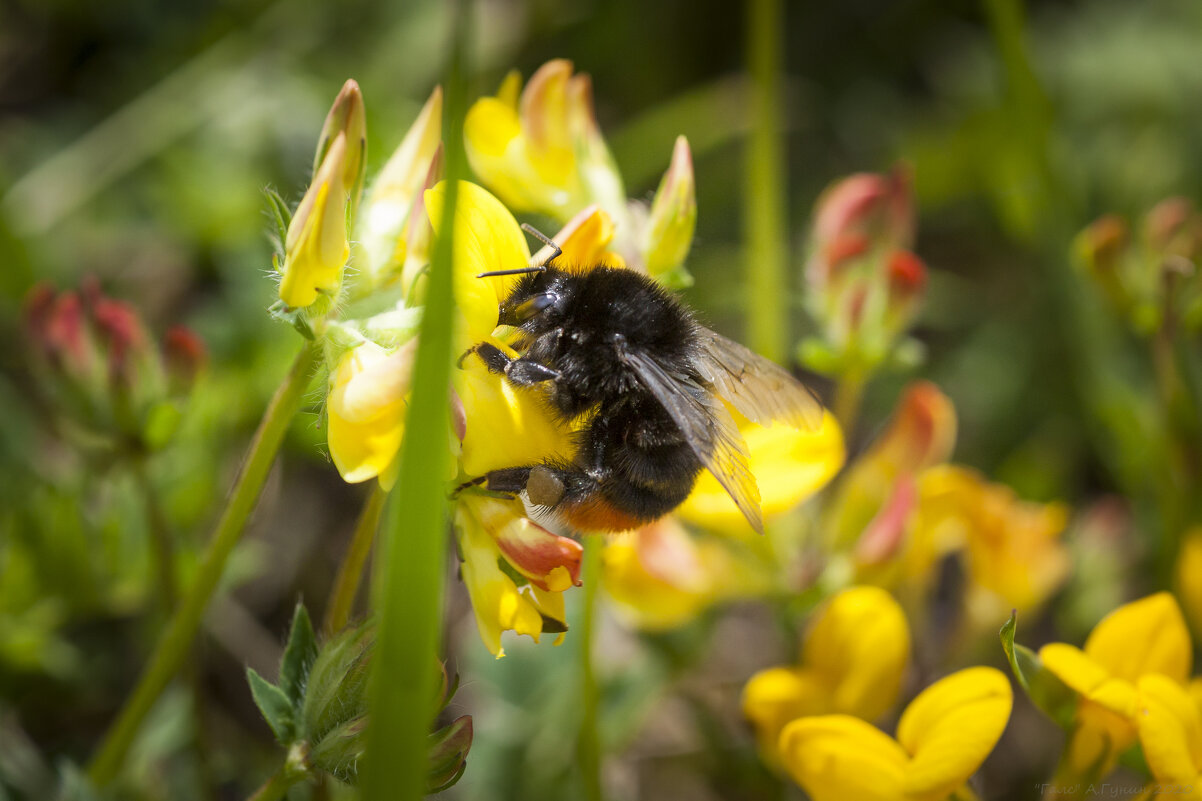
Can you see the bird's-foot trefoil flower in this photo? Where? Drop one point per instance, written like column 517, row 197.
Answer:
column 1169, row 724
column 852, row 662
column 942, row 738
column 1144, row 637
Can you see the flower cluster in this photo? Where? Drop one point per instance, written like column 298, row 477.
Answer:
column 115, row 388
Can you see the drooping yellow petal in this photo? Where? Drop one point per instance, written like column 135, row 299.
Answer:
column 1170, row 731
column 1145, row 636
column 497, row 602
column 951, row 727
column 790, row 465
column 839, row 758
column 366, row 410
column 1085, row 676
column 775, row 697
column 860, row 644
column 486, row 238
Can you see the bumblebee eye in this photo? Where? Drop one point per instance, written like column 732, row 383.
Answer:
column 516, row 315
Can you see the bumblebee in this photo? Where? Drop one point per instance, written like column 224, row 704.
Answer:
column 619, row 356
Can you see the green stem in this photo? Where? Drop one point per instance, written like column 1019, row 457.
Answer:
column 175, row 644
column 849, row 391
column 764, row 193
column 589, row 743
column 162, row 549
column 276, row 787
column 350, row 573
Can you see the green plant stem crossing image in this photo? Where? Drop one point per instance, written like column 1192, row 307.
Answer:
column 515, row 401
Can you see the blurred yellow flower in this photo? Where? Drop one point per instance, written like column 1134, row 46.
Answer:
column 393, row 225
column 943, row 737
column 542, row 152
column 789, row 464
column 491, row 531
column 1189, row 568
column 852, row 663
column 660, row 577
column 1012, row 548
column 921, row 434
column 1137, row 639
column 366, row 410
column 1170, row 733
column 316, row 248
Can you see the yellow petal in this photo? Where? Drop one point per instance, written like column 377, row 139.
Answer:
column 951, row 727
column 506, row 426
column 840, row 758
column 497, row 602
column 1170, row 730
column 656, row 576
column 316, row 248
column 790, row 465
column 583, row 240
column 1144, row 636
column 860, row 644
column 366, row 411
column 777, row 696
column 1189, row 568
column 486, row 237
column 1085, row 676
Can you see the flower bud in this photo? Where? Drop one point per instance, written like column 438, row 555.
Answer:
column 669, row 231
column 185, row 356
column 394, row 217
column 316, row 248
column 347, row 116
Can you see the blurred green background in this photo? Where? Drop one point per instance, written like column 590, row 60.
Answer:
column 135, row 140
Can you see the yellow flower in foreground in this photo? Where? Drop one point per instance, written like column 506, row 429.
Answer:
column 943, row 737
column 1013, row 552
column 491, row 530
column 486, row 237
column 852, row 662
column 789, row 465
column 1170, row 733
column 543, row 152
column 1138, row 639
column 316, row 248
column 366, row 410
column 660, row 577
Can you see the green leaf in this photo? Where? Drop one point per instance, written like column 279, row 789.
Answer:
column 273, row 705
column 281, row 215
column 1045, row 690
column 299, row 654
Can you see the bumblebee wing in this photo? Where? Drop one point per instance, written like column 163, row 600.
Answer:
column 708, row 428
column 762, row 391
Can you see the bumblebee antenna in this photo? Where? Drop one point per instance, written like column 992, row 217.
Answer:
column 542, row 268
column 546, row 240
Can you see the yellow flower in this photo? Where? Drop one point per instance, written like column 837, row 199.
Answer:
column 943, row 737
column 852, row 662
column 491, row 530
column 1189, row 567
column 543, row 152
column 486, row 237
column 1137, row 639
column 921, row 434
column 316, row 248
column 393, row 227
column 1170, row 733
column 584, row 240
column 366, row 410
column 1014, row 555
column 659, row 577
column 790, row 465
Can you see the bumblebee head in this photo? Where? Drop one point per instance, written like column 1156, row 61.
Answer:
column 538, row 298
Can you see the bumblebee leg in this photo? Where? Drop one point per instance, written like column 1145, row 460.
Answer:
column 510, row 479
